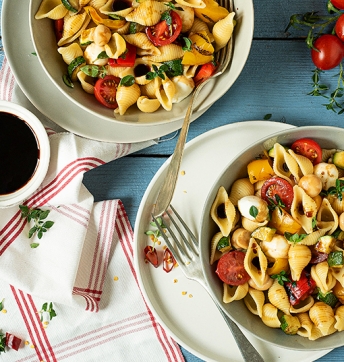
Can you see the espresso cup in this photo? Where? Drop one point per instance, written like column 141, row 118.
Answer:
column 24, row 153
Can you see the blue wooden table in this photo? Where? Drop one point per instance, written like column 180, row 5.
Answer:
column 275, row 80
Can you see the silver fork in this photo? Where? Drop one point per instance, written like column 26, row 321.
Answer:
column 223, row 58
column 191, row 267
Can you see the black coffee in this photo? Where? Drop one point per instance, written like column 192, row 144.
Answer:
column 19, row 153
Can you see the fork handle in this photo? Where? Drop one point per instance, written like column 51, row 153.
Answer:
column 249, row 353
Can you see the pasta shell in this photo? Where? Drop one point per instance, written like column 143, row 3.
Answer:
column 312, row 238
column 284, row 164
column 164, row 92
column 144, row 45
column 73, row 27
column 188, row 16
column 70, row 52
column 215, row 254
column 223, row 30
column 302, row 201
column 52, row 9
column 240, row 238
column 327, row 216
column 126, row 97
column 251, row 225
column 97, row 4
column 116, row 46
column 255, row 263
column 116, row 71
column 254, row 301
column 197, row 4
column 167, row 52
column 323, row 277
column 322, row 316
column 336, row 203
column 306, row 325
column 265, row 286
column 298, row 257
column 303, row 306
column 189, row 71
column 305, row 164
column 223, row 212
column 279, row 297
column 146, row 105
column 240, row 188
column 338, row 274
column 140, row 70
column 339, row 317
column 148, row 90
column 231, row 293
column 87, row 83
column 108, row 9
column 148, row 13
column 270, row 316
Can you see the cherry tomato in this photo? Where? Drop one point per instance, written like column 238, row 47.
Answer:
column 339, row 4
column 151, row 255
column 128, row 60
column 58, row 28
column 277, row 189
column 162, row 33
column 308, row 148
column 329, row 53
column 339, row 27
column 205, row 71
column 230, row 268
column 105, row 91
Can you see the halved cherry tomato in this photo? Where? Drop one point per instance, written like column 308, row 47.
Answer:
column 128, row 60
column 162, row 33
column 308, row 148
column 230, row 268
column 58, row 28
column 277, row 189
column 205, row 71
column 168, row 261
column 105, row 91
column 151, row 255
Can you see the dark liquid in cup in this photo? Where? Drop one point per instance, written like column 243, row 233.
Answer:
column 19, row 153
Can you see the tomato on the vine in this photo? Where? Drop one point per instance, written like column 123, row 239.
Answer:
column 166, row 31
column 329, row 52
column 339, row 4
column 105, row 91
column 339, row 27
column 308, row 148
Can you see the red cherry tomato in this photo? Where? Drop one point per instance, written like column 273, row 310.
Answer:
column 58, row 28
column 277, row 189
column 230, row 268
column 151, row 255
column 339, row 27
column 162, row 33
column 205, row 71
column 105, row 91
column 308, row 148
column 128, row 60
column 339, row 4
column 329, row 53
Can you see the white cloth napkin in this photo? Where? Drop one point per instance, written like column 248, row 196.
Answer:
column 83, row 264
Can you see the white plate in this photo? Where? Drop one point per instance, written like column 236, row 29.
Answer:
column 195, row 323
column 46, row 97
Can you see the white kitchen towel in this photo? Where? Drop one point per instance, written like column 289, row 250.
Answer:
column 83, row 264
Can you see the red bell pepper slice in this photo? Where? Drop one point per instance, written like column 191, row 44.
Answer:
column 12, row 341
column 301, row 289
column 58, row 28
column 205, row 71
column 151, row 255
column 168, row 262
column 127, row 60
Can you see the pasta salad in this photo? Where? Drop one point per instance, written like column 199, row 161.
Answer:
column 279, row 247
column 144, row 52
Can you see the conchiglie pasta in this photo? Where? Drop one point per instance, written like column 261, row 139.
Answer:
column 167, row 52
column 322, row 316
column 146, row 105
column 339, row 317
column 73, row 27
column 143, row 44
column 323, row 277
column 232, row 293
column 240, row 188
column 270, row 316
column 52, row 9
column 298, row 256
column 254, row 301
column 164, row 92
column 148, row 13
column 278, row 297
column 126, row 97
column 223, row 30
column 70, row 52
column 255, row 262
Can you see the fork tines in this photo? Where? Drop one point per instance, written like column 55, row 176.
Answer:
column 185, row 243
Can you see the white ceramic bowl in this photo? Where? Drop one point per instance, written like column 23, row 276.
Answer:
column 45, row 46
column 328, row 137
column 43, row 146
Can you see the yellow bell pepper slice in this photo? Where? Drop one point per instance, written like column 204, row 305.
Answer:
column 278, row 265
column 196, row 58
column 212, row 12
column 259, row 170
column 284, row 222
column 97, row 19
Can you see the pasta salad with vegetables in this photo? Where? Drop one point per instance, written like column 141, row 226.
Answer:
column 146, row 53
column 279, row 247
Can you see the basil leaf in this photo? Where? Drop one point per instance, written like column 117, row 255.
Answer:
column 127, row 81
column 174, row 68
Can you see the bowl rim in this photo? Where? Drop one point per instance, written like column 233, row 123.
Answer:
column 204, row 241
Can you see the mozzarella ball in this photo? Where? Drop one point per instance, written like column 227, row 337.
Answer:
column 241, row 238
column 312, row 184
column 328, row 174
column 246, row 203
column 276, row 248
